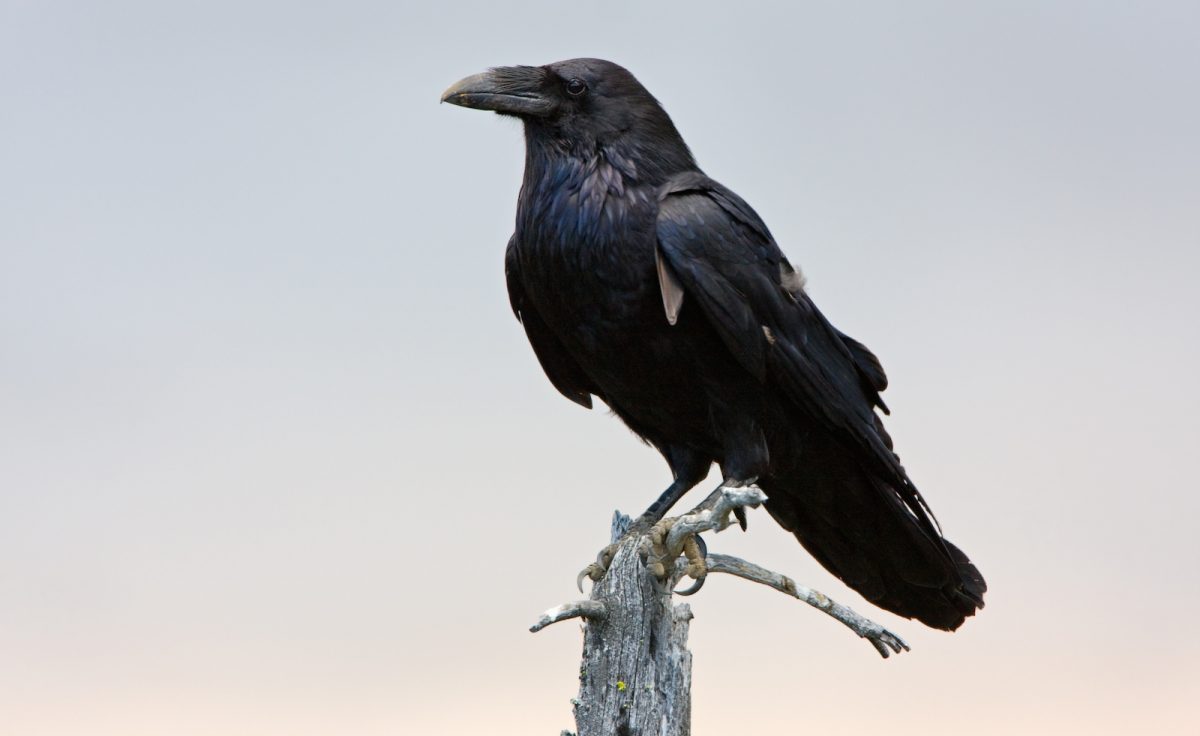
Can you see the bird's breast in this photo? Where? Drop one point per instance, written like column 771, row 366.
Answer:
column 585, row 240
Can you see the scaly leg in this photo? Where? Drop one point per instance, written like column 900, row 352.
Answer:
column 694, row 548
column 652, row 525
column 640, row 525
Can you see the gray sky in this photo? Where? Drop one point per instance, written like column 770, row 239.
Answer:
column 276, row 459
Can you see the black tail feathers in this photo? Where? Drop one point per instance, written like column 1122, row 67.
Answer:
column 855, row 526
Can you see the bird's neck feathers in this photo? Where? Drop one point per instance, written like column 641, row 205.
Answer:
column 569, row 198
column 596, row 179
column 643, row 150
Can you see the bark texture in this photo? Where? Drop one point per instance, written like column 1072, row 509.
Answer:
column 636, row 673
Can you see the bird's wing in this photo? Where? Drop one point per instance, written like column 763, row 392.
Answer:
column 560, row 367
column 728, row 264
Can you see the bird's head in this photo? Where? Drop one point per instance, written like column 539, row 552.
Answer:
column 581, row 107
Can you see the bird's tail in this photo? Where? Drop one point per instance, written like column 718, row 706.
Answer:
column 859, row 529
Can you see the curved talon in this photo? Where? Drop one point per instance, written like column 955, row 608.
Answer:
column 593, row 571
column 596, row 570
column 698, row 561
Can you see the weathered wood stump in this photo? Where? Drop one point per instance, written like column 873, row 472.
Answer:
column 636, row 673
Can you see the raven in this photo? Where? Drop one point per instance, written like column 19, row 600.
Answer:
column 646, row 284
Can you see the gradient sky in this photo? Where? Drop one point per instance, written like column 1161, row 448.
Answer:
column 275, row 458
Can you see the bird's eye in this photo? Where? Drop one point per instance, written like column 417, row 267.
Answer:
column 576, row 87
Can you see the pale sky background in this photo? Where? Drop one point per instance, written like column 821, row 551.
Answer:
column 275, row 458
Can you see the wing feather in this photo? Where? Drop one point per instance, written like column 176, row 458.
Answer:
column 672, row 290
column 726, row 258
column 562, row 370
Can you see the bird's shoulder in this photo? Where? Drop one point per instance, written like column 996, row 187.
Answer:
column 720, row 251
column 697, row 213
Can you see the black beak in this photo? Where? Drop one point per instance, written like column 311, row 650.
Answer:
column 510, row 90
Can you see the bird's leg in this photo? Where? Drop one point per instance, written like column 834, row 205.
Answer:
column 711, row 499
column 666, row 539
column 640, row 526
column 693, row 546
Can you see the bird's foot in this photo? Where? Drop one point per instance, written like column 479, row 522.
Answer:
column 712, row 513
column 661, row 542
column 595, row 571
column 660, row 561
column 659, row 553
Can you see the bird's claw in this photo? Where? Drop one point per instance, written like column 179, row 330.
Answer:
column 592, row 571
column 595, row 571
column 696, row 552
column 661, row 560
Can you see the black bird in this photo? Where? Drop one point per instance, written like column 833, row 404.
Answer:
column 643, row 282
